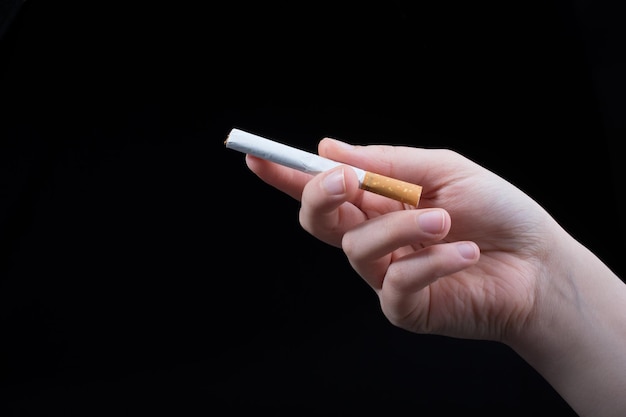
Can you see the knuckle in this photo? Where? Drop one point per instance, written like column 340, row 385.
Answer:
column 349, row 245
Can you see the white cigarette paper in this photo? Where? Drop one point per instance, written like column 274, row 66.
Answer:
column 314, row 164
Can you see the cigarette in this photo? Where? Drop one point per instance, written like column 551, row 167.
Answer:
column 311, row 163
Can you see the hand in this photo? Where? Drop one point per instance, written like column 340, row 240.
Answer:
column 466, row 263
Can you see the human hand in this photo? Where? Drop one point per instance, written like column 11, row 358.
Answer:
column 466, row 263
column 479, row 259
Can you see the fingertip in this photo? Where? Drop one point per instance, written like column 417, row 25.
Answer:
column 331, row 146
column 252, row 161
column 468, row 250
column 338, row 181
column 334, row 182
column 338, row 143
column 435, row 221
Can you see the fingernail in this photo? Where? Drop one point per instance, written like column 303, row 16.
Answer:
column 334, row 182
column 467, row 250
column 431, row 222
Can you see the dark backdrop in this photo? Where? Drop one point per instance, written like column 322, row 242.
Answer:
column 143, row 268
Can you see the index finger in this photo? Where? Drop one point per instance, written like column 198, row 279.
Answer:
column 285, row 179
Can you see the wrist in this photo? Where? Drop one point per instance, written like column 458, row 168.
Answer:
column 575, row 335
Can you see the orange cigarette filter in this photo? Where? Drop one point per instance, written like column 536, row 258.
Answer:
column 403, row 191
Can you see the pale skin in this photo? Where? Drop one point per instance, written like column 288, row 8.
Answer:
column 478, row 259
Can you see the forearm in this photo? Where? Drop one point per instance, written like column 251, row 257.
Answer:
column 577, row 338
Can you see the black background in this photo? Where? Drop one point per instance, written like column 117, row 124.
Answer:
column 144, row 269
